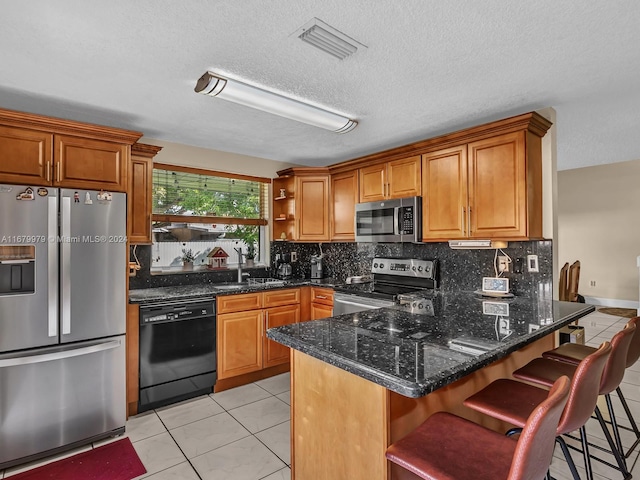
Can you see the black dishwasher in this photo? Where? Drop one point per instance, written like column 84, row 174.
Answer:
column 177, row 351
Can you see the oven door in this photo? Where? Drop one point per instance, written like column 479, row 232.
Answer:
column 344, row 303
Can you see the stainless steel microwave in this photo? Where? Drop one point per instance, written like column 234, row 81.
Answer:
column 397, row 220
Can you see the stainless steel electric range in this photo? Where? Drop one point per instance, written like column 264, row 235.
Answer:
column 396, row 281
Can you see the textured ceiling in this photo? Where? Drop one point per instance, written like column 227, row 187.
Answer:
column 430, row 68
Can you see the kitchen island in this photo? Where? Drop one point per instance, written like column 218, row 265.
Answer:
column 362, row 381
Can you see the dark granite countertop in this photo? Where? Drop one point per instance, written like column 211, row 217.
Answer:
column 188, row 292
column 414, row 355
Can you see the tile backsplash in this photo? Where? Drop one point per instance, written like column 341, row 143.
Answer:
column 459, row 269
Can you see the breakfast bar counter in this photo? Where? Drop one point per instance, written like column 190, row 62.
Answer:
column 362, row 381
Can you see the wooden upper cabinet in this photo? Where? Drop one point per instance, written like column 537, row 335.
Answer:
column 139, row 193
column 344, row 196
column 312, row 208
column 373, row 183
column 498, row 187
column 39, row 150
column 394, row 179
column 490, row 188
column 444, row 194
column 90, row 164
column 404, row 177
column 25, row 156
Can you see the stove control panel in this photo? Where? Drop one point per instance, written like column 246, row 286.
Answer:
column 408, row 267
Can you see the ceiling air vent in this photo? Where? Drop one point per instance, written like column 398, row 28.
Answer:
column 328, row 39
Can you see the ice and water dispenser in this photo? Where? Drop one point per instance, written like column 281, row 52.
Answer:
column 17, row 269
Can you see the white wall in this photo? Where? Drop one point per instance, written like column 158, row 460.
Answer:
column 599, row 224
column 188, row 156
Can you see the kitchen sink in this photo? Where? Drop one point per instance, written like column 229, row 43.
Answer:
column 236, row 286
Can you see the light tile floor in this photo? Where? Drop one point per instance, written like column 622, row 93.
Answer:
column 244, row 433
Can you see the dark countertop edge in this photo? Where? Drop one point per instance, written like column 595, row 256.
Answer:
column 415, row 390
column 329, row 283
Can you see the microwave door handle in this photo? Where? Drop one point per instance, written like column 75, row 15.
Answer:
column 396, row 220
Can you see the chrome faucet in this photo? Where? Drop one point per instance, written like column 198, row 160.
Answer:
column 240, row 274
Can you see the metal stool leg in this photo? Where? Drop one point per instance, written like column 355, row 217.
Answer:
column 568, row 458
column 616, row 430
column 585, row 452
column 622, row 466
column 632, row 421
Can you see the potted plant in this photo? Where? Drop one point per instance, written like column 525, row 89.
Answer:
column 187, row 259
column 251, row 254
column 249, row 234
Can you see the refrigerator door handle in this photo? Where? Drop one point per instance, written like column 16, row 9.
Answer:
column 52, row 266
column 65, row 264
column 50, row 357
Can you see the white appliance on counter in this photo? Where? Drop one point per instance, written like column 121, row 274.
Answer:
column 63, row 260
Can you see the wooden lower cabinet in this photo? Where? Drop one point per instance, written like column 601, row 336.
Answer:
column 133, row 358
column 239, row 343
column 274, row 352
column 319, row 311
column 243, row 320
column 321, row 303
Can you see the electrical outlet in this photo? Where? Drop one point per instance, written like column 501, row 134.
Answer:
column 532, row 263
column 503, row 326
column 294, row 257
column 133, row 269
column 517, row 268
column 503, row 264
column 592, row 283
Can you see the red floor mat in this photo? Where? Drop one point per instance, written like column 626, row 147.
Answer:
column 115, row 461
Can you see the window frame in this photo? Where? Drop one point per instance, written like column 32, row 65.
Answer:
column 263, row 221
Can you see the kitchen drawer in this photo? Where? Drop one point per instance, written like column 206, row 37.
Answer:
column 322, row 295
column 276, row 298
column 239, row 302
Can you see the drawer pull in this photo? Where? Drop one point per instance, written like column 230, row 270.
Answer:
column 324, row 297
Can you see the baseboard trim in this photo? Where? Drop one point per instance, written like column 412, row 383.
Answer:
column 611, row 302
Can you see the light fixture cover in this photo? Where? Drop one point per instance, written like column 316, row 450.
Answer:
column 476, row 244
column 254, row 97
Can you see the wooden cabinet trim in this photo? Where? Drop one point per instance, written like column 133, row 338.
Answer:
column 67, row 127
column 323, row 296
column 239, row 302
column 532, row 122
column 276, row 298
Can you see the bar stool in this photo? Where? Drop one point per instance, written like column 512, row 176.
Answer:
column 447, row 447
column 573, row 353
column 512, row 401
column 544, row 371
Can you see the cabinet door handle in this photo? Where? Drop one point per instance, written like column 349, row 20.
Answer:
column 266, row 321
column 464, row 231
column 58, row 172
column 48, row 169
column 469, row 219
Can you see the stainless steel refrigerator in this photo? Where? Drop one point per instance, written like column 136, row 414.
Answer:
column 63, row 257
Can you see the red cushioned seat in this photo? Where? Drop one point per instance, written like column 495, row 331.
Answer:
column 447, row 447
column 513, row 401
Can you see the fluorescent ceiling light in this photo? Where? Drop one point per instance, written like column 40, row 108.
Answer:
column 254, row 97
